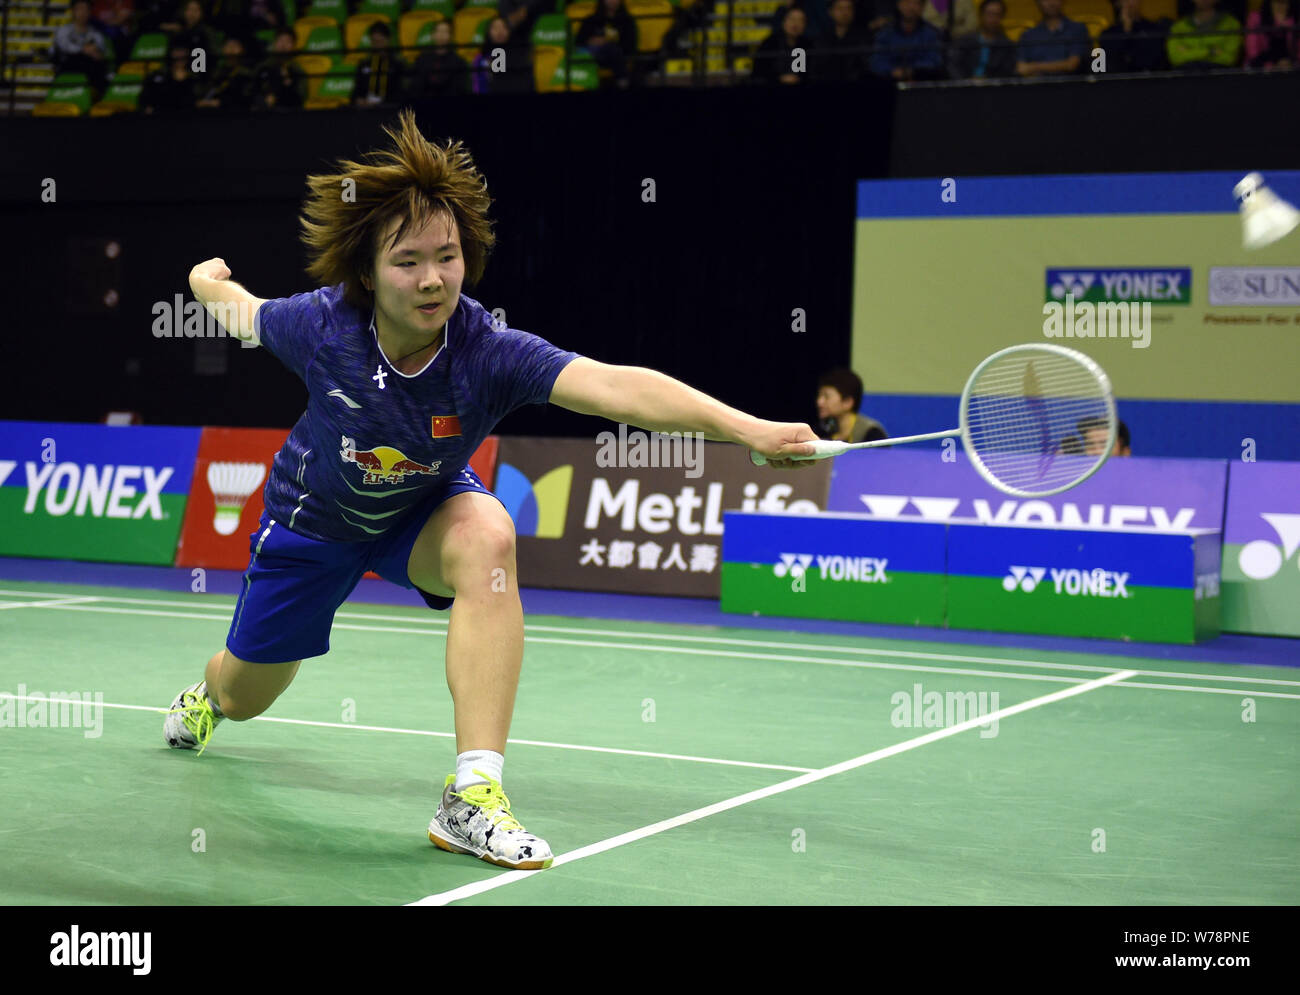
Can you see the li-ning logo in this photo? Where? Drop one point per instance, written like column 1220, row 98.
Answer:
column 1094, row 583
column 1024, row 578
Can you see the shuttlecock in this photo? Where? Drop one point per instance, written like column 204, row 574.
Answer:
column 1265, row 217
column 232, row 484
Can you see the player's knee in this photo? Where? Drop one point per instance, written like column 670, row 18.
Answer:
column 478, row 551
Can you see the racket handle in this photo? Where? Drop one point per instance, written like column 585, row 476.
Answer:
column 821, row 449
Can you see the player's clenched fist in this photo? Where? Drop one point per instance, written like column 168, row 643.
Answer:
column 211, row 269
column 778, row 442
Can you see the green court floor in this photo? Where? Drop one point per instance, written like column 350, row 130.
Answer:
column 662, row 763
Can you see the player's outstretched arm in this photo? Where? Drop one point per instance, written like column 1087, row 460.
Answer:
column 233, row 306
column 654, row 401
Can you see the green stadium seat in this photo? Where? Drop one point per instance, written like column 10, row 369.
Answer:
column 392, row 9
column 444, row 7
column 324, row 39
column 68, row 95
column 337, row 9
column 549, row 30
column 70, row 79
column 583, row 74
column 150, row 48
column 123, row 94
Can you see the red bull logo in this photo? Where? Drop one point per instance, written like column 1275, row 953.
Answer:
column 383, row 464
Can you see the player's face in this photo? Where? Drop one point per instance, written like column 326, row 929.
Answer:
column 1094, row 443
column 425, row 268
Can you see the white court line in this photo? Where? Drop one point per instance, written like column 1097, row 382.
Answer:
column 442, row 735
column 783, row 658
column 510, row 877
column 437, row 626
column 71, row 600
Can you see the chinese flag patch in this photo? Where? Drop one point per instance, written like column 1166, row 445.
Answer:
column 445, row 426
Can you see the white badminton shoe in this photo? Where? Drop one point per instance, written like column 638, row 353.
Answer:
column 477, row 821
column 191, row 719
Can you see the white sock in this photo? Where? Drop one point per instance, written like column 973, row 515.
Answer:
column 467, row 763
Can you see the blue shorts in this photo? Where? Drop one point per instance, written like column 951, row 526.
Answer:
column 294, row 585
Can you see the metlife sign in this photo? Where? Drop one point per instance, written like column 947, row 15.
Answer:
column 94, row 492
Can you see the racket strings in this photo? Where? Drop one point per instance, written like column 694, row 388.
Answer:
column 1028, row 417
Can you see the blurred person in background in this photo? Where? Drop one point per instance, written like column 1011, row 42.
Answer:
column 951, row 18
column 1207, row 38
column 233, row 83
column 517, row 75
column 986, row 53
column 172, row 89
column 1272, row 41
column 1133, row 44
column 610, row 34
column 908, row 49
column 280, row 82
column 382, row 72
column 839, row 395
column 1094, row 432
column 774, row 58
column 194, row 32
column 843, row 52
column 79, row 47
column 439, row 71
column 115, row 19
column 1055, row 45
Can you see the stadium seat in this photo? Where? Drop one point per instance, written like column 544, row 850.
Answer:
column 1077, row 10
column 392, row 9
column 653, row 19
column 549, row 31
column 408, row 28
column 545, row 59
column 132, row 69
column 65, row 99
column 290, row 12
column 1095, row 25
column 466, row 22
column 1155, row 10
column 326, row 39
column 123, row 94
column 580, row 10
column 304, row 26
column 1027, row 10
column 583, row 74
column 336, row 9
column 315, row 66
column 480, row 3
column 444, row 7
column 1015, row 29
column 150, row 50
column 337, row 85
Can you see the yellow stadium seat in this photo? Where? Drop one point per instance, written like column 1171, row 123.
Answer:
column 356, row 26
column 315, row 66
column 1078, row 10
column 653, row 19
column 1154, row 10
column 323, row 103
column 545, row 60
column 466, row 22
column 1095, row 25
column 302, row 28
column 1026, row 10
column 408, row 28
column 580, row 11
column 1015, row 29
column 56, row 108
column 133, row 69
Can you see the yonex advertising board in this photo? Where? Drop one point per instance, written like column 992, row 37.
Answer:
column 1145, row 273
column 1261, row 566
column 619, row 514
column 845, row 567
column 1137, row 585
column 94, row 492
column 933, row 485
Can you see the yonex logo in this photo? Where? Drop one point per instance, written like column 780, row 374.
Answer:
column 1160, row 285
column 1070, row 283
column 1261, row 559
column 1024, row 578
column 793, row 564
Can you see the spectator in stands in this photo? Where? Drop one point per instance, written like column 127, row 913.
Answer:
column 987, row 53
column 233, row 83
column 610, row 34
column 1207, row 38
column 775, row 59
column 1093, row 432
column 80, row 48
column 112, row 18
column 951, row 18
column 839, row 395
column 382, row 73
column 194, row 32
column 521, row 15
column 909, row 49
column 281, row 82
column 439, row 71
column 842, row 53
column 1055, row 45
column 245, row 17
column 1272, row 41
column 1133, row 44
column 491, row 75
column 816, row 12
column 172, row 89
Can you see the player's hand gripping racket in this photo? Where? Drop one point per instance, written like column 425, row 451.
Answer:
column 1025, row 415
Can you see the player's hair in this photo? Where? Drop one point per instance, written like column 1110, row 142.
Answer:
column 415, row 181
column 844, row 380
column 1121, row 432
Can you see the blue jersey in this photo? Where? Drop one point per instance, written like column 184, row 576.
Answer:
column 373, row 442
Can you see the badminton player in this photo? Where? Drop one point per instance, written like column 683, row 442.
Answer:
column 406, row 376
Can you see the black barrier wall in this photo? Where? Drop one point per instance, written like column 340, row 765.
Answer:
column 751, row 222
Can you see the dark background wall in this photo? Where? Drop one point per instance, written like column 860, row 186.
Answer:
column 753, row 218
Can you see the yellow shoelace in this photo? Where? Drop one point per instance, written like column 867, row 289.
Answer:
column 492, row 801
column 200, row 726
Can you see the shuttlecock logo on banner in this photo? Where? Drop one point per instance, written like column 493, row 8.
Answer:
column 1265, row 217
column 232, row 484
